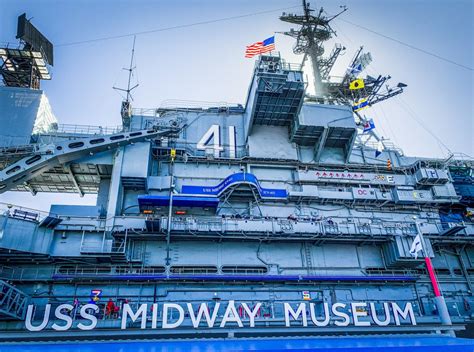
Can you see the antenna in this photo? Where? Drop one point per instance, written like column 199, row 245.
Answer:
column 314, row 31
column 354, row 90
column 28, row 64
column 126, row 109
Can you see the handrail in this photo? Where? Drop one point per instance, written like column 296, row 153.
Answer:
column 85, row 129
column 362, row 225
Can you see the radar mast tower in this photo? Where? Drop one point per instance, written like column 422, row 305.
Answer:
column 314, row 31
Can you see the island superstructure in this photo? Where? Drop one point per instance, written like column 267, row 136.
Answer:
column 290, row 197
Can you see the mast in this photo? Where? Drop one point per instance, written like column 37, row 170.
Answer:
column 126, row 109
column 314, row 31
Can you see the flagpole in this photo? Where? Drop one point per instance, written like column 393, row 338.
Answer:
column 439, row 298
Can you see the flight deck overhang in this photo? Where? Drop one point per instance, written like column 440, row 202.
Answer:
column 325, row 127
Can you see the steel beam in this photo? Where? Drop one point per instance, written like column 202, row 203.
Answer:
column 67, row 151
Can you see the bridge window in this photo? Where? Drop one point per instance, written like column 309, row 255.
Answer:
column 234, row 269
column 193, row 269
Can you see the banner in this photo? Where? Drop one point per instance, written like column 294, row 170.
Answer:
column 234, row 179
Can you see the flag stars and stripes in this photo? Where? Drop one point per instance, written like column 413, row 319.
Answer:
column 259, row 48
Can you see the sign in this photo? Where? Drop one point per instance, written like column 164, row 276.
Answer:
column 306, row 296
column 234, row 179
column 225, row 315
column 345, row 177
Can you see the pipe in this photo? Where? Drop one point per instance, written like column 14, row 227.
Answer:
column 263, row 278
column 439, row 299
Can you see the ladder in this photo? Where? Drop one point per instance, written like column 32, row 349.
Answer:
column 308, row 257
column 13, row 302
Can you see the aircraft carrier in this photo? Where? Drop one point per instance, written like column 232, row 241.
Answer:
column 286, row 215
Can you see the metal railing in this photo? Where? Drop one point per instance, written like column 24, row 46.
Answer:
column 107, row 246
column 221, row 225
column 187, row 106
column 30, row 274
column 312, row 226
column 86, row 129
column 387, row 144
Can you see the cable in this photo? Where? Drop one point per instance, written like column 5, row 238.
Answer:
column 404, row 105
column 175, row 27
column 409, row 45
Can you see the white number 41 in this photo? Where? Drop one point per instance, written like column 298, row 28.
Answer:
column 213, row 134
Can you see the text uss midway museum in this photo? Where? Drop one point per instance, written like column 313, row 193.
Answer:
column 173, row 315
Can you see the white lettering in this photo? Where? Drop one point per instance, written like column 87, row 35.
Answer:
column 356, row 314
column 232, row 147
column 325, row 322
column 166, row 307
column 408, row 311
column 127, row 311
column 88, row 316
column 231, row 315
column 213, row 133
column 154, row 315
column 251, row 313
column 375, row 318
column 60, row 315
column 29, row 316
column 300, row 311
column 203, row 310
column 339, row 314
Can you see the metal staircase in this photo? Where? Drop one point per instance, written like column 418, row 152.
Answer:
column 13, row 302
column 308, row 257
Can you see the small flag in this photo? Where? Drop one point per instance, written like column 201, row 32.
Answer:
column 369, row 125
column 361, row 104
column 357, row 84
column 355, row 69
column 416, row 246
column 260, row 47
column 380, row 148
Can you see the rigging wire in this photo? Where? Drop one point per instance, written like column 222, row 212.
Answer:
column 175, row 27
column 404, row 105
column 408, row 45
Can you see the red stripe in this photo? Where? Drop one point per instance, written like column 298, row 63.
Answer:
column 258, row 48
column 431, row 272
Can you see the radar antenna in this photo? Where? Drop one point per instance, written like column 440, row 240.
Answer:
column 126, row 109
column 25, row 65
column 314, row 31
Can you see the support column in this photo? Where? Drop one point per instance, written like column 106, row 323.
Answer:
column 439, row 299
column 170, row 214
column 115, row 190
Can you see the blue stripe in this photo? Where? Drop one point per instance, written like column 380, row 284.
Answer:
column 178, row 200
column 392, row 343
column 269, row 41
column 263, row 278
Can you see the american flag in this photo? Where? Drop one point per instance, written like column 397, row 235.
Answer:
column 260, row 47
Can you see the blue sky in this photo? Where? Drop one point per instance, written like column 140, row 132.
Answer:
column 206, row 62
